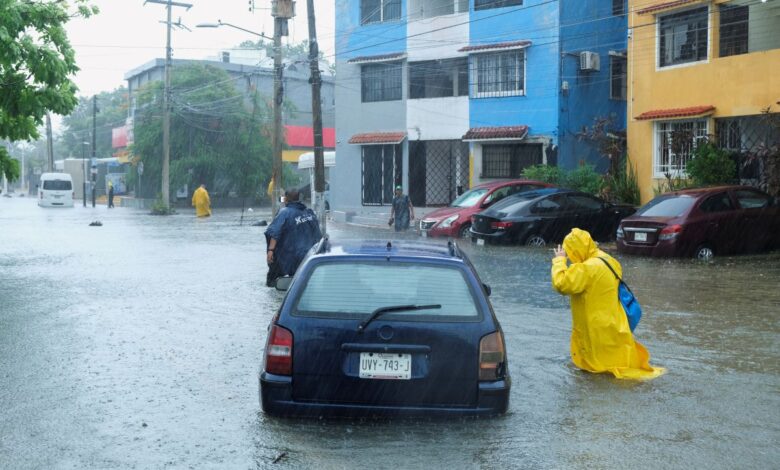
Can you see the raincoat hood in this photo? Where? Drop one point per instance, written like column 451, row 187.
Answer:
column 579, row 246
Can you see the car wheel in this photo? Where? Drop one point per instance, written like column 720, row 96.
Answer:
column 464, row 231
column 535, row 240
column 704, row 253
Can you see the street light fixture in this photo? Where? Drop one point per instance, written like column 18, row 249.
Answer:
column 222, row 23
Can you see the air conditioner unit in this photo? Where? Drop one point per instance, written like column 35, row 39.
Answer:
column 589, row 61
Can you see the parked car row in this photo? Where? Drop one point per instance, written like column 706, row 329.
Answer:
column 698, row 222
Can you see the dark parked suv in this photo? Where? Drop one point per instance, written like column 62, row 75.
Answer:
column 385, row 328
column 701, row 223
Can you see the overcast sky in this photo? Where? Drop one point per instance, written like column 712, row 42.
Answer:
column 127, row 33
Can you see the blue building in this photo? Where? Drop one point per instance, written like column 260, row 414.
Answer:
column 440, row 95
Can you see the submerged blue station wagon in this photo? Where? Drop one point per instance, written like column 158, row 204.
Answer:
column 385, row 328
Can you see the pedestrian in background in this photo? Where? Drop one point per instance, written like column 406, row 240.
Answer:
column 402, row 212
column 110, row 194
column 601, row 340
column 290, row 237
column 201, row 202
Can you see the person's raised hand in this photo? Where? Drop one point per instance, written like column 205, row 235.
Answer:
column 559, row 251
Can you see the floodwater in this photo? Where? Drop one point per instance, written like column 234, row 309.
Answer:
column 137, row 345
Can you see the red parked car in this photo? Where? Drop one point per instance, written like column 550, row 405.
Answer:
column 455, row 219
column 702, row 223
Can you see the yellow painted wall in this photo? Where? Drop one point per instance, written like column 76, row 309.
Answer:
column 737, row 85
column 292, row 156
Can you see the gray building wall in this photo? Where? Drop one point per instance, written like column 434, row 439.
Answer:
column 355, row 117
column 296, row 86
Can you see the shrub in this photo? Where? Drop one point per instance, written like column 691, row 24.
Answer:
column 624, row 185
column 158, row 208
column 543, row 173
column 711, row 166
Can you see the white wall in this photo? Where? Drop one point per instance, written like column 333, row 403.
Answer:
column 437, row 118
column 440, row 44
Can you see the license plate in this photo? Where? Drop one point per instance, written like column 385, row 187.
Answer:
column 640, row 236
column 480, row 242
column 57, row 196
column 385, row 366
column 424, row 233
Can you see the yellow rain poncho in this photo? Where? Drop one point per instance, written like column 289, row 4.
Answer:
column 601, row 340
column 201, row 202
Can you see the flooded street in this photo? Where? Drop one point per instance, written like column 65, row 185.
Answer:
column 137, row 345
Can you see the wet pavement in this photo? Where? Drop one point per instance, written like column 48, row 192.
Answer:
column 137, row 345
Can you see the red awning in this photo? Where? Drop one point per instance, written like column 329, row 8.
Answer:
column 496, row 46
column 496, row 133
column 664, row 6
column 303, row 137
column 676, row 113
column 367, row 59
column 119, row 137
column 377, row 138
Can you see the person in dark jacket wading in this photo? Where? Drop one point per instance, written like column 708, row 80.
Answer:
column 289, row 237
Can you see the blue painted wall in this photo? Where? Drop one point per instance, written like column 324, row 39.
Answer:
column 537, row 21
column 355, row 40
column 587, row 26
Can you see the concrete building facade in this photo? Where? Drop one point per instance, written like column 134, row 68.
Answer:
column 440, row 95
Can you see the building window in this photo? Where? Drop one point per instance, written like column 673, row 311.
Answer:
column 381, row 82
column 683, row 37
column 734, row 30
column 419, row 9
column 617, row 77
column 618, row 7
column 509, row 160
column 498, row 74
column 438, row 78
column 488, row 4
column 675, row 143
column 379, row 11
column 381, row 165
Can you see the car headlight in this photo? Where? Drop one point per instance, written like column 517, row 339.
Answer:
column 447, row 223
column 619, row 233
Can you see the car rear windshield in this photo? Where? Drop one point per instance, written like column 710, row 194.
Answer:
column 57, row 185
column 469, row 198
column 354, row 290
column 511, row 205
column 667, row 206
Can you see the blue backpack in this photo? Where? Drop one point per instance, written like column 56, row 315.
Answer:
column 627, row 300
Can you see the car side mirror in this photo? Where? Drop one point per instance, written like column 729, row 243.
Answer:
column 283, row 283
column 487, row 288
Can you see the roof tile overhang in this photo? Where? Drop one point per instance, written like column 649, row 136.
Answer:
column 378, row 138
column 665, row 6
column 676, row 113
column 498, row 46
column 370, row 59
column 496, row 133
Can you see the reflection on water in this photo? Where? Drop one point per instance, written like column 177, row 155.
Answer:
column 138, row 344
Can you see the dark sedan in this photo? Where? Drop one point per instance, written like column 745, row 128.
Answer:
column 701, row 223
column 536, row 218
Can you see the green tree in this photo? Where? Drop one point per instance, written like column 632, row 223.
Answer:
column 217, row 137
column 36, row 63
column 77, row 126
column 711, row 165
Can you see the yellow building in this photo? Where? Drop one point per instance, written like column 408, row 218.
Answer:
column 699, row 69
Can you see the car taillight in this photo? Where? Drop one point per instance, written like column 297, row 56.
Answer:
column 500, row 225
column 278, row 351
column 670, row 232
column 620, row 233
column 492, row 358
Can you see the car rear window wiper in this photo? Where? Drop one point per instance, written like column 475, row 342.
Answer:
column 395, row 308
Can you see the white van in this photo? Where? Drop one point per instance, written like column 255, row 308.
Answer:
column 55, row 190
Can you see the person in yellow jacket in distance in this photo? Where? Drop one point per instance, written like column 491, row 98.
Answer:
column 601, row 340
column 201, row 202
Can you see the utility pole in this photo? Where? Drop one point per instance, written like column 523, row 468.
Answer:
column 167, row 100
column 94, row 149
column 316, row 109
column 282, row 10
column 49, row 143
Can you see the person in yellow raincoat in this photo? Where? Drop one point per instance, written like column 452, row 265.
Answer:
column 201, row 202
column 601, row 340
